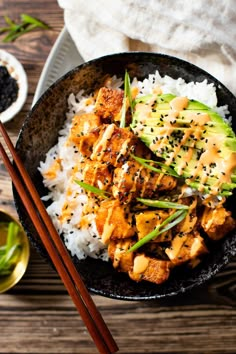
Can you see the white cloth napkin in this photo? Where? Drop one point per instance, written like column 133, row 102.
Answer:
column 202, row 32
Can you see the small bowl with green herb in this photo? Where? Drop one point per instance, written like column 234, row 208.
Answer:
column 14, row 252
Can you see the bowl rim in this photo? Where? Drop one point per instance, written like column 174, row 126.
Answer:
column 130, row 53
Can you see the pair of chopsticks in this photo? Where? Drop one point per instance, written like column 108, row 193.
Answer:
column 56, row 249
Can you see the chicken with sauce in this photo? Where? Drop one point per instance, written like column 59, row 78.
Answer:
column 108, row 104
column 217, row 222
column 133, row 180
column 107, row 163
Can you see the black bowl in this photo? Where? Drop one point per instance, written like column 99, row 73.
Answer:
column 40, row 132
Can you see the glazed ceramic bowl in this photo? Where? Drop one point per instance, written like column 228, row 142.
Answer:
column 40, row 132
column 9, row 281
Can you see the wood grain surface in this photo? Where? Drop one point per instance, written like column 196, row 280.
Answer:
column 37, row 315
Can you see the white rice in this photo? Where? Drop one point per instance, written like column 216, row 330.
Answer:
column 87, row 243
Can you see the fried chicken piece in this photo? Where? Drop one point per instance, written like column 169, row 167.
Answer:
column 114, row 221
column 186, row 247
column 96, row 174
column 113, row 145
column 121, row 259
column 133, row 180
column 85, row 144
column 217, row 222
column 148, row 220
column 150, row 269
column 108, row 104
column 82, row 124
column 84, row 132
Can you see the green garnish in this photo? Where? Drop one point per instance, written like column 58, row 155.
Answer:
column 27, row 19
column 162, row 204
column 27, row 24
column 9, row 253
column 171, row 221
column 92, row 189
column 127, row 94
column 168, row 170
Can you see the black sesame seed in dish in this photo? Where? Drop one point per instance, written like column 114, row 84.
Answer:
column 8, row 89
column 13, row 86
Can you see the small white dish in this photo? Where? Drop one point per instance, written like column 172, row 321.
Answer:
column 17, row 71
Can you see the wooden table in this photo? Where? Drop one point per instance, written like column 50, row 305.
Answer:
column 37, row 315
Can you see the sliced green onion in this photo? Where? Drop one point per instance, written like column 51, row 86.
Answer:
column 27, row 19
column 171, row 221
column 12, row 233
column 15, row 30
column 127, row 94
column 91, row 188
column 8, row 259
column 162, row 204
column 9, row 21
column 10, row 252
column 14, row 34
column 144, row 162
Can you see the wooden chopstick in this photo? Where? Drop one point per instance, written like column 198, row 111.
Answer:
column 57, row 251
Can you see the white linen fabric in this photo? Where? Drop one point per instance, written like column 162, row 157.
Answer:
column 202, row 32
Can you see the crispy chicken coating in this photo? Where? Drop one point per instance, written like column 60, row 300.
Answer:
column 84, row 132
column 114, row 221
column 133, row 180
column 147, row 221
column 121, row 259
column 86, row 142
column 96, row 174
column 139, row 267
column 113, row 145
column 82, row 124
column 108, row 104
column 217, row 222
column 150, row 269
column 185, row 247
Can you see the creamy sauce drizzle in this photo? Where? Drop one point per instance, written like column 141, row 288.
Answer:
column 124, row 148
column 176, row 245
column 140, row 264
column 99, row 149
column 196, row 125
column 179, row 103
column 196, row 245
column 107, row 228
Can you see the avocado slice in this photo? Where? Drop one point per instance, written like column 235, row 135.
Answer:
column 193, row 139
